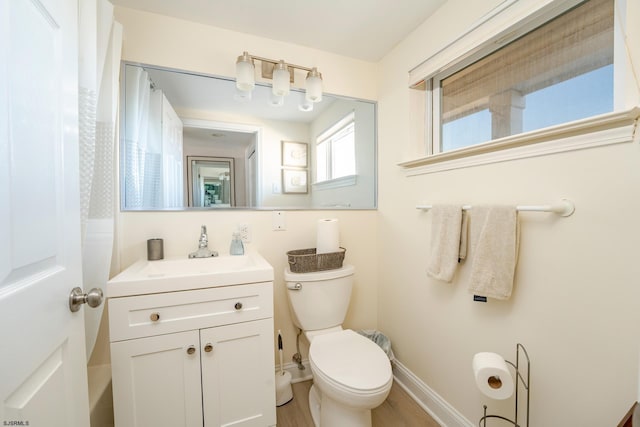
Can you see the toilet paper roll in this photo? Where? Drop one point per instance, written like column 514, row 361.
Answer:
column 492, row 375
column 328, row 238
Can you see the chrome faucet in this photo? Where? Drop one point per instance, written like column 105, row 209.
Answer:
column 203, row 246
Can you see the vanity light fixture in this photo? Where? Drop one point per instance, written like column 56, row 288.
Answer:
column 314, row 85
column 245, row 80
column 282, row 75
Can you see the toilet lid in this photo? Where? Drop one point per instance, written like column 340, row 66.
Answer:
column 351, row 360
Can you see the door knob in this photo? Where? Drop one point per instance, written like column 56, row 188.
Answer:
column 238, row 305
column 208, row 347
column 191, row 349
column 76, row 298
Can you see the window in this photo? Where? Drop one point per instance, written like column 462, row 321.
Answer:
column 558, row 72
column 335, row 151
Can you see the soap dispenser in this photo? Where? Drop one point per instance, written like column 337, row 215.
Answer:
column 237, row 248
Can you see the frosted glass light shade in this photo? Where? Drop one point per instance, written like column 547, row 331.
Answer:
column 276, row 101
column 281, row 79
column 305, row 106
column 314, row 86
column 242, row 95
column 245, row 78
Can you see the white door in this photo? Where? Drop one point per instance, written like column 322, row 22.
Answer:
column 172, row 169
column 43, row 380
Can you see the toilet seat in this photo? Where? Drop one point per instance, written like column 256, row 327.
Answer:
column 348, row 361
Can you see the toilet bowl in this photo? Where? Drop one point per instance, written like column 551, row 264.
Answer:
column 351, row 374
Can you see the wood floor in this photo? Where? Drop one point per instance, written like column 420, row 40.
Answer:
column 399, row 410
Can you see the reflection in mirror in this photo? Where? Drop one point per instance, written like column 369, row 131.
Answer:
column 211, row 182
column 174, row 123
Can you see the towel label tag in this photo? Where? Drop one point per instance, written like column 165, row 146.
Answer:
column 479, row 298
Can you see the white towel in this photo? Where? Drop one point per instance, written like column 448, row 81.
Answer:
column 496, row 252
column 445, row 241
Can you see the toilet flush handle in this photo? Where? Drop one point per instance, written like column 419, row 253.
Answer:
column 294, row 286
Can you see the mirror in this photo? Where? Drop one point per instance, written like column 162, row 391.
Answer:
column 210, row 182
column 191, row 141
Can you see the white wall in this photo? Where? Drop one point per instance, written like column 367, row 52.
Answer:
column 576, row 296
column 158, row 40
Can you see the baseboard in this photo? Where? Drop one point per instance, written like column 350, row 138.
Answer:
column 439, row 409
column 297, row 375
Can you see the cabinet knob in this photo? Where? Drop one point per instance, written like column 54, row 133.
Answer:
column 154, row 317
column 208, row 347
column 238, row 305
column 191, row 349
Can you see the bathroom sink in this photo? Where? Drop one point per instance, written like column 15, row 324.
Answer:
column 177, row 274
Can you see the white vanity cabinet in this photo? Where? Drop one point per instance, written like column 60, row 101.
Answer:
column 202, row 357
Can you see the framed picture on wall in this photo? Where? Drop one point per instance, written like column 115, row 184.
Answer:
column 294, row 181
column 294, row 154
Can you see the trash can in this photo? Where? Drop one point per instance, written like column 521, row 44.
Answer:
column 381, row 339
column 284, row 392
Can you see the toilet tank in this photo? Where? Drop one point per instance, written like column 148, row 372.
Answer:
column 320, row 299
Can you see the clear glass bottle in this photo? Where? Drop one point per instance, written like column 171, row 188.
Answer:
column 237, row 247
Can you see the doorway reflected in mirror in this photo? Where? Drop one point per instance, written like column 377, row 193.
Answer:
column 211, row 182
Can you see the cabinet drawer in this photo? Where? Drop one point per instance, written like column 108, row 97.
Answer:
column 148, row 315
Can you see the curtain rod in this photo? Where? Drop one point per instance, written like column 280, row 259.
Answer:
column 564, row 208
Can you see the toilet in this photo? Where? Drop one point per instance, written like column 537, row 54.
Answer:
column 351, row 374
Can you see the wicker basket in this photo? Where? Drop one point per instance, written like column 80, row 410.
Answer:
column 306, row 260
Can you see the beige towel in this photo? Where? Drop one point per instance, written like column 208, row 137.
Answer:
column 496, row 252
column 445, row 241
column 462, row 255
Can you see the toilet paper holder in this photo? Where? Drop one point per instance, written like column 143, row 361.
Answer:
column 519, row 379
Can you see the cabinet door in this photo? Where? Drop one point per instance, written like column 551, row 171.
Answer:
column 238, row 375
column 156, row 381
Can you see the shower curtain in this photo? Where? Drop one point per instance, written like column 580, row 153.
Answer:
column 100, row 51
column 152, row 145
column 143, row 152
